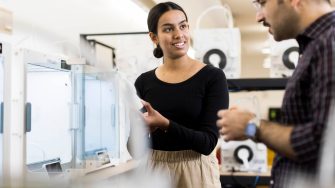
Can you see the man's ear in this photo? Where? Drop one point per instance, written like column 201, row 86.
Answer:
column 153, row 37
column 295, row 3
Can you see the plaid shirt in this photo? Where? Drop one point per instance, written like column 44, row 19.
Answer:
column 307, row 100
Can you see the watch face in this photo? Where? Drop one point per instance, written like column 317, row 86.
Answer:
column 250, row 130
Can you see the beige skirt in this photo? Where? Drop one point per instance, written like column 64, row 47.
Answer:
column 187, row 169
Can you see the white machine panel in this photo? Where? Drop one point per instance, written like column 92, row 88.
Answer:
column 284, row 58
column 245, row 156
column 221, row 48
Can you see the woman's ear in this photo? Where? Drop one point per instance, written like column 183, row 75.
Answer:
column 153, row 37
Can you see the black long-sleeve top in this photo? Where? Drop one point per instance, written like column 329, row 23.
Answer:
column 191, row 106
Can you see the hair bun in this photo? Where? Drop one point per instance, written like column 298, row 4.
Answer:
column 158, row 53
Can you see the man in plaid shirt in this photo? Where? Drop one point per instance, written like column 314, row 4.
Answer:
column 306, row 104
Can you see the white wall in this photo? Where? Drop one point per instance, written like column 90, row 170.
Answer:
column 55, row 26
column 266, row 100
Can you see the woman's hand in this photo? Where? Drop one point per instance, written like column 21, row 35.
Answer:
column 153, row 118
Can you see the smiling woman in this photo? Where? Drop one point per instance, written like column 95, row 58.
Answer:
column 180, row 99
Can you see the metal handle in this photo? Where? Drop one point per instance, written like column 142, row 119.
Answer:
column 28, row 117
column 1, row 117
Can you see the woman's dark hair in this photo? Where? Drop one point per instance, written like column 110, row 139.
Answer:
column 155, row 13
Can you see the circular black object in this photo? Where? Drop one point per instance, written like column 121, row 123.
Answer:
column 223, row 58
column 158, row 52
column 251, row 154
column 286, row 60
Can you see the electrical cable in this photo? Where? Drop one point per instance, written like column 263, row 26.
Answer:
column 256, row 181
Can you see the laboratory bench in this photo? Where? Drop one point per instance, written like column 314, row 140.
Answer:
column 245, row 179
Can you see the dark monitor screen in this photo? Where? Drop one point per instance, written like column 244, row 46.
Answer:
column 54, row 168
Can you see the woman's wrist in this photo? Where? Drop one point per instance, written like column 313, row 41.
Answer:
column 165, row 125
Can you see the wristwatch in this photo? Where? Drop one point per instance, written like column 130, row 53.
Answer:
column 252, row 128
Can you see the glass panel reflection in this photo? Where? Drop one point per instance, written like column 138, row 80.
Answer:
column 1, row 110
column 101, row 119
column 49, row 92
